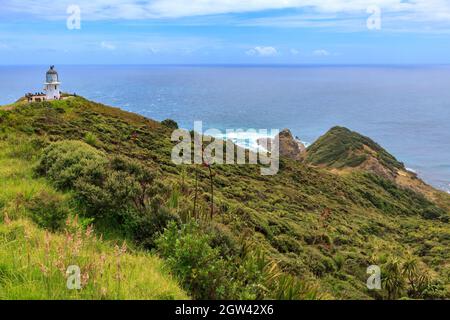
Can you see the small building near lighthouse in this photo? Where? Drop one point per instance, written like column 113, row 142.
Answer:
column 51, row 88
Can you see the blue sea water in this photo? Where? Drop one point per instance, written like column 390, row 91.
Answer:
column 406, row 109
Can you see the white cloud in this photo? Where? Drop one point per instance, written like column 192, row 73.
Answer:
column 262, row 51
column 431, row 9
column 294, row 52
column 132, row 9
column 321, row 53
column 107, row 46
column 328, row 13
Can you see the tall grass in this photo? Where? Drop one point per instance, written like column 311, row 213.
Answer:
column 33, row 265
column 34, row 261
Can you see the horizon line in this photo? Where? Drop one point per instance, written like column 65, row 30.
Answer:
column 236, row 64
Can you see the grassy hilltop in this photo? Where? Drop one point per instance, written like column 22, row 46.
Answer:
column 94, row 186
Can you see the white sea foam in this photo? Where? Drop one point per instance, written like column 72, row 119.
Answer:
column 411, row 170
column 306, row 144
column 245, row 139
column 249, row 140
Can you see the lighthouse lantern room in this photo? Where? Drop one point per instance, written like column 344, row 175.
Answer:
column 52, row 84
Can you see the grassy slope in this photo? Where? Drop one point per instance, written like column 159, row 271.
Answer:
column 343, row 151
column 341, row 147
column 370, row 218
column 33, row 262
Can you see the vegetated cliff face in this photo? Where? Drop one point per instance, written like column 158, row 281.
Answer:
column 343, row 150
column 320, row 227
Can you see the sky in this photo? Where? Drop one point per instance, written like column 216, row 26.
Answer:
column 224, row 32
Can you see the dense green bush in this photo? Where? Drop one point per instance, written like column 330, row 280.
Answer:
column 91, row 139
column 435, row 290
column 169, row 123
column 48, row 210
column 146, row 227
column 110, row 193
column 104, row 187
column 3, row 115
column 433, row 213
column 66, row 161
column 120, row 189
column 221, row 239
column 210, row 266
column 189, row 255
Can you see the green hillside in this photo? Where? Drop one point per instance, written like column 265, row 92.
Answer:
column 33, row 261
column 341, row 147
column 308, row 232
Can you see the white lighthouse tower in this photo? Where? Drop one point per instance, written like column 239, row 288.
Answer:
column 52, row 85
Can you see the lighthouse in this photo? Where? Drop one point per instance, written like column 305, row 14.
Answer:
column 52, row 84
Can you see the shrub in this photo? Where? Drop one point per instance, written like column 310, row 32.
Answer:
column 223, row 240
column 3, row 115
column 319, row 264
column 108, row 194
column 169, row 123
column 339, row 261
column 194, row 254
column 147, row 227
column 48, row 210
column 65, row 161
column 91, row 139
column 105, row 187
column 191, row 258
column 433, row 213
column 121, row 190
column 435, row 290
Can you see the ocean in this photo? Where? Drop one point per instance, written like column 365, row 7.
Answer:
column 406, row 109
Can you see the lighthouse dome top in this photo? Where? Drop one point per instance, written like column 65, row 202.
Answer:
column 52, row 70
column 52, row 75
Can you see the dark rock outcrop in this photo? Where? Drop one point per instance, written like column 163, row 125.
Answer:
column 289, row 146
